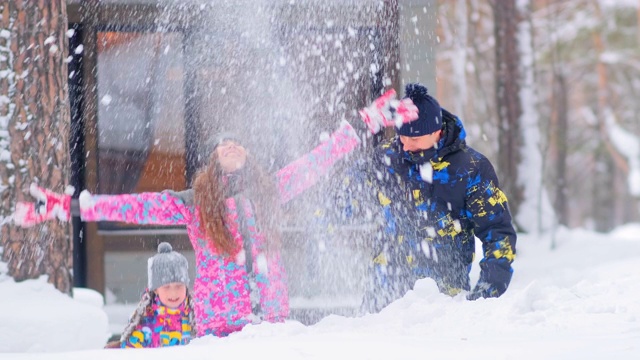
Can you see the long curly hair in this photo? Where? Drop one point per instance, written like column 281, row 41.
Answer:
column 210, row 194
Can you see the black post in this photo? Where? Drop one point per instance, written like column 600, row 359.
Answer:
column 191, row 107
column 76, row 153
column 376, row 79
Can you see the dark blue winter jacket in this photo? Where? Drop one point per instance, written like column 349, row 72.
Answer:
column 433, row 203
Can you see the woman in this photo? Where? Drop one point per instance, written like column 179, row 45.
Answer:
column 231, row 218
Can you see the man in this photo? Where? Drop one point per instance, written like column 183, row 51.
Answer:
column 436, row 194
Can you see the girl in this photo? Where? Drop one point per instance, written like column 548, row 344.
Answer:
column 231, row 218
column 164, row 316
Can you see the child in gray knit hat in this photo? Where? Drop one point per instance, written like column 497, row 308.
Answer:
column 168, row 275
column 165, row 315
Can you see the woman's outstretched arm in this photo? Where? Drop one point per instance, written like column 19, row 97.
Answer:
column 161, row 208
column 304, row 172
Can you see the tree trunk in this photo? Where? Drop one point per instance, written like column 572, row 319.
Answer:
column 638, row 22
column 606, row 163
column 506, row 24
column 603, row 204
column 34, row 130
column 459, row 60
column 385, row 57
column 559, row 138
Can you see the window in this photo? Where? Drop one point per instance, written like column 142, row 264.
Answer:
column 141, row 145
column 141, row 140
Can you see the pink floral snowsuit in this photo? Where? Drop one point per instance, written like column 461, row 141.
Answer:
column 222, row 303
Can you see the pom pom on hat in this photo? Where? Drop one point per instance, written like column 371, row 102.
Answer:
column 429, row 112
column 416, row 92
column 167, row 267
column 164, row 247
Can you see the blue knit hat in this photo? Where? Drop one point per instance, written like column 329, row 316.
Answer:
column 429, row 112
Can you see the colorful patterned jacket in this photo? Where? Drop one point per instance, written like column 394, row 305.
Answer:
column 433, row 204
column 161, row 326
column 222, row 302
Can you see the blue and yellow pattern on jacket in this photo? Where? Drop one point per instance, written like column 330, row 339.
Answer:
column 433, row 203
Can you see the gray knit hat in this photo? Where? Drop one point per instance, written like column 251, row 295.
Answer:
column 167, row 267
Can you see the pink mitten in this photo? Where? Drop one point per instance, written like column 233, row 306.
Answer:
column 387, row 110
column 48, row 206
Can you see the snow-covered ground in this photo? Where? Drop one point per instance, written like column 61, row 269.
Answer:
column 580, row 301
column 35, row 317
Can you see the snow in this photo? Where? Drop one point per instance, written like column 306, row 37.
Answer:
column 579, row 301
column 38, row 318
column 619, row 3
column 629, row 146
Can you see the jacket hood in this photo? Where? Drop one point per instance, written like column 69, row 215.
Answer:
column 453, row 135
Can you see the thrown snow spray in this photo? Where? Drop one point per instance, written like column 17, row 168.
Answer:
column 282, row 75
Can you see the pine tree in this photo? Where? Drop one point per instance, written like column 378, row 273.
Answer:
column 34, row 130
